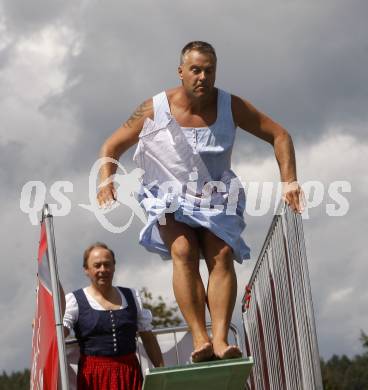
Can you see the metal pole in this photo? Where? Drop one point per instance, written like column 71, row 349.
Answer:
column 51, row 255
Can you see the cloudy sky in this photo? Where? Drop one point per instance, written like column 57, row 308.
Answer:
column 71, row 72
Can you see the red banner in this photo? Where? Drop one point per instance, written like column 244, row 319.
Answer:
column 45, row 363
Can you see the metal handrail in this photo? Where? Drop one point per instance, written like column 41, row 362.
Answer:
column 278, row 317
column 174, row 330
column 279, row 212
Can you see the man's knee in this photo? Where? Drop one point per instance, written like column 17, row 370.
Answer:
column 184, row 251
column 226, row 253
column 224, row 259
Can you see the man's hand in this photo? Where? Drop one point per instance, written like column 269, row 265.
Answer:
column 106, row 195
column 152, row 348
column 293, row 195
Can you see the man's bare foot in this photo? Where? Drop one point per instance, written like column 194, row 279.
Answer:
column 202, row 354
column 227, row 352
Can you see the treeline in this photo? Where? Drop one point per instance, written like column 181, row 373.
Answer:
column 15, row 381
column 338, row 373
column 342, row 373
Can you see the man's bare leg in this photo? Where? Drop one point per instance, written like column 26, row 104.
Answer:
column 221, row 291
column 189, row 291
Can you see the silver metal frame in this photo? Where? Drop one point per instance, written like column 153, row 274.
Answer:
column 51, row 255
column 185, row 328
column 278, row 321
column 174, row 330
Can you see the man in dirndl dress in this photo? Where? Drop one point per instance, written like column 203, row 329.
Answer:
column 106, row 320
column 193, row 200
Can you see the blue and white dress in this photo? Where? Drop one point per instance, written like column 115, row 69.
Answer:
column 187, row 173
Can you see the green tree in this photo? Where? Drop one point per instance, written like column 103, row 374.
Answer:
column 364, row 340
column 164, row 315
column 15, row 381
column 342, row 373
column 334, row 371
column 356, row 376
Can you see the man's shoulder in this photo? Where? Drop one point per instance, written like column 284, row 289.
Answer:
column 69, row 295
column 123, row 288
column 70, row 299
column 133, row 292
column 171, row 92
column 78, row 290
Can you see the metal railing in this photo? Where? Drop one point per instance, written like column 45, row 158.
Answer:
column 180, row 359
column 278, row 316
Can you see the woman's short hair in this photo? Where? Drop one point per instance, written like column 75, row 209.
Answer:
column 88, row 251
column 200, row 46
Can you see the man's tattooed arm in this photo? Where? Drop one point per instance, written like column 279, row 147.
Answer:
column 143, row 111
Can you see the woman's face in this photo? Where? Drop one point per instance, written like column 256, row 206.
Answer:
column 100, row 267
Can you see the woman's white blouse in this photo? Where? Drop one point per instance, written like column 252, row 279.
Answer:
column 144, row 316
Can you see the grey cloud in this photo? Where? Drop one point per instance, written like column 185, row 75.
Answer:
column 303, row 65
column 25, row 17
column 6, row 55
column 8, row 155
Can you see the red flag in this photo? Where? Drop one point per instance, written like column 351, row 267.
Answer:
column 45, row 362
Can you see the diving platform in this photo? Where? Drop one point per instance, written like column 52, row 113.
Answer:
column 228, row 374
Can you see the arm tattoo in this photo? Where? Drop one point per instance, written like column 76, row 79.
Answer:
column 138, row 113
